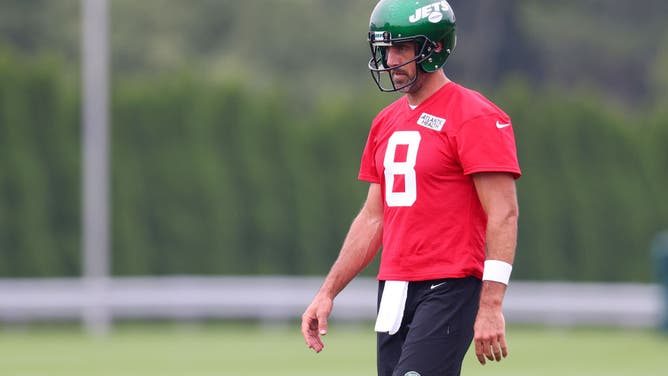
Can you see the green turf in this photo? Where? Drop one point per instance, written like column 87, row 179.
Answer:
column 252, row 350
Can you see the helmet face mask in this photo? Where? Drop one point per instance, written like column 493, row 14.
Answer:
column 424, row 22
column 379, row 42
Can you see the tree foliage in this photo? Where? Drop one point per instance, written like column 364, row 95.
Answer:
column 237, row 129
column 313, row 45
column 220, row 178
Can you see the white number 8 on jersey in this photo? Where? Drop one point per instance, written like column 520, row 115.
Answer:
column 407, row 168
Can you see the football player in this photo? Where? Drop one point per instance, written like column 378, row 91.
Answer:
column 442, row 163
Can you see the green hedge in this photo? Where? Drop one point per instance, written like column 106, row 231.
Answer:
column 219, row 178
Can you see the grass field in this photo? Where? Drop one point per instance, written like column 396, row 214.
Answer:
column 253, row 350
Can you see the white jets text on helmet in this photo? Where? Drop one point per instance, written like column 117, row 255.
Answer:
column 431, row 11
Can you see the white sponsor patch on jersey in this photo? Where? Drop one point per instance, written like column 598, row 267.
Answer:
column 431, row 121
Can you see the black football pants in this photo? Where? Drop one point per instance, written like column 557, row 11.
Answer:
column 436, row 329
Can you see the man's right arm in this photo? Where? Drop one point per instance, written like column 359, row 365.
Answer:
column 359, row 248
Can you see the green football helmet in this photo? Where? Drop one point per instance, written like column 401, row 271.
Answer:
column 425, row 22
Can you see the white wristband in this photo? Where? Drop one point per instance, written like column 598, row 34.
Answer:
column 497, row 271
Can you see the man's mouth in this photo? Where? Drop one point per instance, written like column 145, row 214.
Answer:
column 399, row 73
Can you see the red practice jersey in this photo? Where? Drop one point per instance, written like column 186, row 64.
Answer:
column 423, row 158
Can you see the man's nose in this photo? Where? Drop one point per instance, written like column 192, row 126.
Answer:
column 392, row 57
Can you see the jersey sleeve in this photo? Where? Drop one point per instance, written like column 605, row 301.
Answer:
column 487, row 144
column 368, row 171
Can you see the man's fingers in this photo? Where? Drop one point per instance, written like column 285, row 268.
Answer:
column 310, row 333
column 322, row 324
column 488, row 353
column 486, row 349
column 499, row 348
column 493, row 350
column 504, row 346
column 479, row 345
column 497, row 356
column 314, row 342
column 306, row 327
column 481, row 359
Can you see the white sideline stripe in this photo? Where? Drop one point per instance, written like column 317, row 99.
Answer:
column 285, row 298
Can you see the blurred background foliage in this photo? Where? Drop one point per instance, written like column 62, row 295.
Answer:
column 238, row 127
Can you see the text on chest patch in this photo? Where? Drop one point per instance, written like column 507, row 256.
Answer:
column 431, row 121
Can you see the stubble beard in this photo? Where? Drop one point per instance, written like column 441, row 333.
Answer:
column 415, row 86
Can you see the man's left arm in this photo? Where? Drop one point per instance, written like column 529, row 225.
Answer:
column 498, row 196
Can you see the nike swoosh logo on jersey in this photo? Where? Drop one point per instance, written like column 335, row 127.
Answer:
column 501, row 125
column 436, row 285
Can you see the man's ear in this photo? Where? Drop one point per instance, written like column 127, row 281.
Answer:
column 439, row 46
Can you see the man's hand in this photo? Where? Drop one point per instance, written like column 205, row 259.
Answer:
column 314, row 322
column 490, row 330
